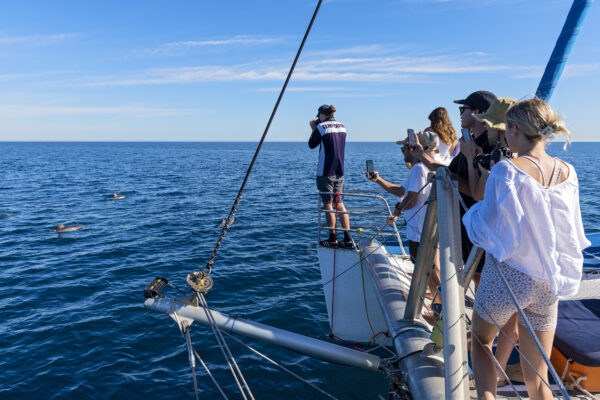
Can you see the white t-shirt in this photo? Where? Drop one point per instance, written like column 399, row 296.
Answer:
column 534, row 229
column 417, row 178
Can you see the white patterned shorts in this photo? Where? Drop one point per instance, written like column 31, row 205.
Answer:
column 494, row 303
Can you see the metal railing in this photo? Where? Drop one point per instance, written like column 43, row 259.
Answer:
column 369, row 228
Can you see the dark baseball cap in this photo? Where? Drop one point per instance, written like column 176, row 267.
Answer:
column 481, row 100
column 324, row 109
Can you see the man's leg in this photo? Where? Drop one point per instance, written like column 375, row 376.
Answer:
column 344, row 219
column 330, row 216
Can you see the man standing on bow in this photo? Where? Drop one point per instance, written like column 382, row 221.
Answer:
column 330, row 135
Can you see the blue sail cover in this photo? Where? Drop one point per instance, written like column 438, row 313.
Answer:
column 563, row 47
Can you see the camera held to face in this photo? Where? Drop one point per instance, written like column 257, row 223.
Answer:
column 498, row 154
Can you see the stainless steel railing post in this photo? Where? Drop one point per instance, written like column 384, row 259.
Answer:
column 424, row 261
column 467, row 273
column 456, row 371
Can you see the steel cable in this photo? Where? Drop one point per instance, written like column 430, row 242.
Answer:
column 239, row 195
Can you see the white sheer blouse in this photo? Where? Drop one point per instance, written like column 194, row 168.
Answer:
column 532, row 228
column 444, row 156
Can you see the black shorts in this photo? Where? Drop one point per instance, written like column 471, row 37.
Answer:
column 330, row 184
column 413, row 249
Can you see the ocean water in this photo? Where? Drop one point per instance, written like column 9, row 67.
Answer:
column 72, row 323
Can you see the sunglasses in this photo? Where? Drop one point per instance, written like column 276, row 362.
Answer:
column 462, row 109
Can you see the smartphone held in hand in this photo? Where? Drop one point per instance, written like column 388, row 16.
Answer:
column 412, row 138
column 370, row 168
column 466, row 135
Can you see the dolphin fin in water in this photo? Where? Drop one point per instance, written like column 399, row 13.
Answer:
column 60, row 228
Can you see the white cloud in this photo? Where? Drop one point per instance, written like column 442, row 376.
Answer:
column 37, row 39
column 571, row 70
column 344, row 69
column 32, row 111
column 32, row 75
column 183, row 47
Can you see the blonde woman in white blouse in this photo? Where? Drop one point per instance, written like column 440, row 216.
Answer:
column 529, row 224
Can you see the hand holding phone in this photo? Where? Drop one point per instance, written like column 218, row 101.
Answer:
column 370, row 168
column 412, row 138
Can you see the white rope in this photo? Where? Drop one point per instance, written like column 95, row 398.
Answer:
column 280, row 366
column 225, row 349
column 209, row 373
column 591, row 254
column 577, row 385
column 576, row 381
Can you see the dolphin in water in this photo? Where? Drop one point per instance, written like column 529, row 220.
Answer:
column 60, row 228
column 117, row 196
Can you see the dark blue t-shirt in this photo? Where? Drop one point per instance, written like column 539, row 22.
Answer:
column 331, row 135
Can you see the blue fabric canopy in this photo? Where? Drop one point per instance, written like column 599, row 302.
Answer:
column 578, row 331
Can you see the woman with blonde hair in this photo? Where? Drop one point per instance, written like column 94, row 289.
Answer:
column 529, row 224
column 446, row 136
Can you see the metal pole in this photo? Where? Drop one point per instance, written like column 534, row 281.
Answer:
column 311, row 347
column 562, row 48
column 422, row 371
column 456, row 371
column 468, row 272
column 424, row 261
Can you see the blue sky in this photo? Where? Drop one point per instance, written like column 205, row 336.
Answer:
column 211, row 71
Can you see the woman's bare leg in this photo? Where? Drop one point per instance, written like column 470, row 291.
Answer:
column 535, row 387
column 481, row 357
column 505, row 347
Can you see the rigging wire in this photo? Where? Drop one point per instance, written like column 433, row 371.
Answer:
column 279, row 365
column 210, row 375
column 235, row 370
column 210, row 263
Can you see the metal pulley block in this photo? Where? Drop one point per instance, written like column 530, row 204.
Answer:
column 199, row 282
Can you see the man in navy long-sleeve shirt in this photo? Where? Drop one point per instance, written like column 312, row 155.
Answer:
column 331, row 136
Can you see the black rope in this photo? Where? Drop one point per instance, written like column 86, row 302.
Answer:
column 239, row 196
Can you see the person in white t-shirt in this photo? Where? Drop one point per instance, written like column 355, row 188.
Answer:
column 529, row 224
column 414, row 194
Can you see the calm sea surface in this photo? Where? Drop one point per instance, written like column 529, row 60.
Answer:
column 72, row 323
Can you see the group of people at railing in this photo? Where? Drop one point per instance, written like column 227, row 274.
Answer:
column 523, row 211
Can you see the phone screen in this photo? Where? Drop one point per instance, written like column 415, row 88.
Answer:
column 466, row 135
column 411, row 137
column 370, row 166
